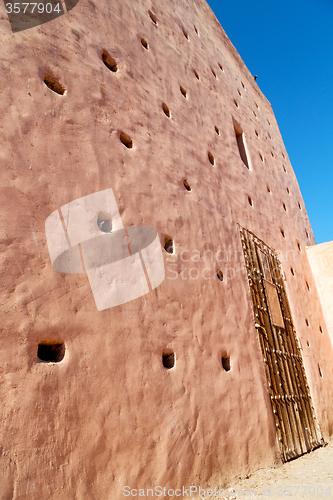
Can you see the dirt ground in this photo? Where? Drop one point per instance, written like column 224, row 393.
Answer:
column 310, row 476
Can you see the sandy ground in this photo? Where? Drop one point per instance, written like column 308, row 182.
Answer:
column 310, row 476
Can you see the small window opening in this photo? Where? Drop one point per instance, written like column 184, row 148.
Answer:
column 308, row 286
column 241, row 146
column 195, row 29
column 239, row 93
column 257, row 106
column 168, row 359
column 268, row 122
column 320, row 372
column 186, row 185
column 152, row 17
column 51, row 352
column 292, row 271
column 236, row 103
column 284, row 168
column 269, row 135
column 168, row 244
column 261, row 157
column 307, row 343
column 307, row 234
column 243, row 85
column 196, row 74
column 250, row 200
column 166, row 110
column 307, row 321
column 255, row 114
column 144, row 43
column 220, row 66
column 217, row 130
column 225, row 362
column 109, row 62
column 104, row 222
column 211, row 158
column 268, row 189
column 53, row 84
column 126, row 140
column 185, row 33
column 272, row 154
column 299, row 205
column 257, row 133
column 282, row 232
column 183, row 91
column 283, row 155
column 320, row 329
column 288, row 190
column 284, row 206
column 214, row 73
column 219, row 274
column 298, row 246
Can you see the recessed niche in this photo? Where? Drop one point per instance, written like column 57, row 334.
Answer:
column 256, row 104
column 185, row 33
column 152, row 17
column 320, row 372
column 307, row 234
column 268, row 189
column 299, row 205
column 268, row 122
column 235, row 103
column 307, row 322
column 109, row 61
column 217, row 130
column 284, row 168
column 250, row 200
column 257, row 133
column 166, row 110
column 288, row 190
column 282, row 232
column 292, row 271
column 53, row 84
column 104, row 222
column 144, row 43
column 168, row 244
column 284, row 206
column 243, row 85
column 225, row 360
column 240, row 139
column 214, row 73
column 298, row 246
column 219, row 274
column 272, row 154
column 196, row 74
column 196, row 30
column 186, row 185
column 255, row 114
column 220, row 66
column 261, row 157
column 168, row 359
column 308, row 286
column 126, row 140
column 239, row 93
column 320, row 329
column 308, row 343
column 183, row 91
column 211, row 158
column 283, row 155
column 51, row 352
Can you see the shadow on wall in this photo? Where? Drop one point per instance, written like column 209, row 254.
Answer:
column 23, row 16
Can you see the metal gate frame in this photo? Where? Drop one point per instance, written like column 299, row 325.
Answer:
column 294, row 415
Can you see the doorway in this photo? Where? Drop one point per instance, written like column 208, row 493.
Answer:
column 294, row 416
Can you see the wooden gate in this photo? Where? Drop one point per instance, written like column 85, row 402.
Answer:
column 296, row 425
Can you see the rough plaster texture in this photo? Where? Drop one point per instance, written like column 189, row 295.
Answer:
column 321, row 262
column 110, row 414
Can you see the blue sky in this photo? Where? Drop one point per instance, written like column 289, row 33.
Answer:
column 289, row 45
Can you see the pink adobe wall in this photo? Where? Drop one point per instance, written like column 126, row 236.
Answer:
column 110, row 414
